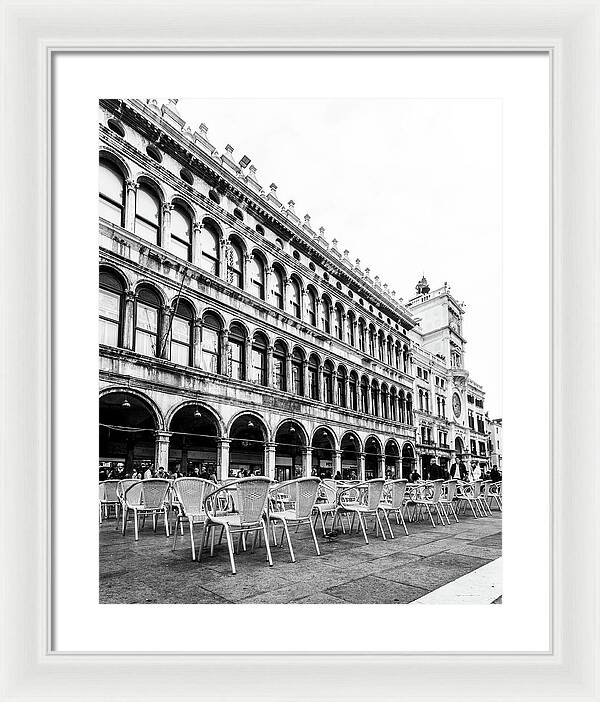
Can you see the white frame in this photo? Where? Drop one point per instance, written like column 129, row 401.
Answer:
column 33, row 33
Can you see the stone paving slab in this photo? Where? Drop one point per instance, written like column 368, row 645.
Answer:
column 397, row 570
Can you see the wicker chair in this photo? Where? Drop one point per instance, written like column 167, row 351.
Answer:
column 143, row 498
column 245, row 511
column 292, row 502
column 392, row 500
column 427, row 495
column 447, row 498
column 122, row 487
column 494, row 494
column 362, row 500
column 108, row 498
column 326, row 504
column 469, row 494
column 189, row 503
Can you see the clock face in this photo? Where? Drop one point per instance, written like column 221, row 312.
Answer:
column 456, row 406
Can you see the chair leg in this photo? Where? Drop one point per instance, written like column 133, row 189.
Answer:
column 430, row 515
column 364, row 529
column 191, row 523
column 135, row 523
column 268, row 547
column 205, row 527
column 212, row 542
column 175, row 532
column 274, row 534
column 402, row 519
column 166, row 516
column 378, row 519
column 322, row 521
column 154, row 522
column 387, row 519
column 289, row 540
column 100, row 510
column 454, row 512
column 230, row 547
column 314, row 535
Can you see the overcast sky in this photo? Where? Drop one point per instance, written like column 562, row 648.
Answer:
column 410, row 187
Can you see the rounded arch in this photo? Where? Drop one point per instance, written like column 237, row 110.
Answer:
column 157, row 415
column 315, row 357
column 148, row 285
column 115, row 159
column 458, row 445
column 181, row 201
column 323, row 432
column 236, row 240
column 209, row 311
column 152, row 183
column 261, row 337
column 205, row 408
column 257, row 420
column 260, row 255
column 117, row 273
column 373, row 442
column 242, row 326
column 294, row 277
column 183, row 302
column 281, row 344
column 299, row 352
column 351, row 439
column 298, row 428
column 211, row 223
column 408, row 450
column 392, row 448
column 281, row 269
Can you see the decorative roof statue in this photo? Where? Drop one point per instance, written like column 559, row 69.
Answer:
column 422, row 286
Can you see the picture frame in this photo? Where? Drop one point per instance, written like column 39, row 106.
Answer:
column 35, row 34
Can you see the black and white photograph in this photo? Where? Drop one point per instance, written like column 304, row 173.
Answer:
column 300, row 351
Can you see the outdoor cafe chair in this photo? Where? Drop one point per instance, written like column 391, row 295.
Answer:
column 362, row 500
column 189, row 502
column 480, row 497
column 447, row 499
column 485, row 495
column 392, row 500
column 326, row 504
column 469, row 494
column 120, row 491
column 243, row 512
column 494, row 494
column 108, row 498
column 292, row 503
column 143, row 498
column 426, row 495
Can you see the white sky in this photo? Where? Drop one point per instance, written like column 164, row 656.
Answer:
column 409, row 186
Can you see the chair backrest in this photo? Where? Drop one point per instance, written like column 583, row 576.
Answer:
column 301, row 493
column 395, row 489
column 485, row 487
column 431, row 490
column 190, row 493
column 327, row 491
column 155, row 492
column 123, row 485
column 476, row 488
column 448, row 491
column 374, row 490
column 251, row 496
column 133, row 494
column 108, row 490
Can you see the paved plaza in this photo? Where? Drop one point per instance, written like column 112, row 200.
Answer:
column 348, row 571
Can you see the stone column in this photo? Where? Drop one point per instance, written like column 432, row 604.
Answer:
column 246, row 258
column 128, row 314
column 248, row 359
column 223, row 459
column 223, row 259
column 321, row 383
column 197, row 344
column 270, row 459
column 224, row 344
column 164, row 333
column 132, row 187
column 165, row 229
column 306, row 461
column 288, row 372
column 361, row 466
column 337, row 462
column 381, row 466
column 268, row 272
column 161, row 449
column 269, row 366
column 347, row 402
column 196, row 246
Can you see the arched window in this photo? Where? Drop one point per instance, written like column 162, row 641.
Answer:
column 405, row 362
column 361, row 335
column 340, row 390
column 328, row 382
column 209, row 244
column 147, row 319
column 181, row 334
column 277, row 287
column 111, row 309
column 326, row 314
column 364, row 395
column 351, row 329
column 390, row 351
column 111, row 193
column 421, row 404
column 279, row 374
column 385, row 402
column 211, row 343
column 381, row 346
column 235, row 265
column 311, row 307
column 313, row 377
column 338, row 324
column 295, row 298
column 256, row 271
column 372, row 340
column 375, row 398
column 409, row 409
column 297, row 372
column 259, row 359
column 353, row 391
column 402, row 404
column 237, row 352
column 398, row 355
column 181, row 233
column 393, row 405
column 147, row 214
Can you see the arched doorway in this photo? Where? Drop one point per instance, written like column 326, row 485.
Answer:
column 373, row 456
column 247, row 449
column 193, row 444
column 289, row 444
column 408, row 460
column 323, row 446
column 127, row 435
column 392, row 459
column 350, row 446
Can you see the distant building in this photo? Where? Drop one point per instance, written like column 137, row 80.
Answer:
column 495, row 429
column 236, row 339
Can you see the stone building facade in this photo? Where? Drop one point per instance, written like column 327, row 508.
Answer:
column 235, row 338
